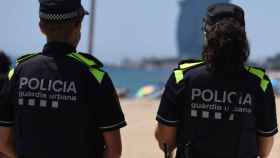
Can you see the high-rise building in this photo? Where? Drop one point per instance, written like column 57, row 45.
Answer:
column 189, row 33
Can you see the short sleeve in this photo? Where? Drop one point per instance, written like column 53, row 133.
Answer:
column 109, row 114
column 6, row 106
column 169, row 108
column 266, row 114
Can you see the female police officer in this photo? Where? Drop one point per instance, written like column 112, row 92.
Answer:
column 218, row 107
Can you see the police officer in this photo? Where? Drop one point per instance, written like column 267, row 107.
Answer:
column 5, row 65
column 218, row 107
column 61, row 103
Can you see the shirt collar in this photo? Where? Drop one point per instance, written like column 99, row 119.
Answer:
column 58, row 48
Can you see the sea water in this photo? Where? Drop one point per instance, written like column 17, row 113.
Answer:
column 135, row 78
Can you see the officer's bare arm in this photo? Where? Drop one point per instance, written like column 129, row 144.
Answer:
column 113, row 144
column 6, row 142
column 166, row 135
column 265, row 145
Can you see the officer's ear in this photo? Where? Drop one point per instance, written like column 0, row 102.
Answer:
column 78, row 22
column 75, row 26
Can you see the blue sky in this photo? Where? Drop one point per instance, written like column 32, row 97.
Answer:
column 134, row 28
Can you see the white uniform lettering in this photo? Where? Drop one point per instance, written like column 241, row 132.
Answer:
column 23, row 81
column 42, row 88
column 229, row 96
column 57, row 86
column 240, row 99
column 72, row 87
column 224, row 96
column 64, row 86
column 217, row 97
column 33, row 83
column 195, row 93
column 247, row 99
column 50, row 85
column 207, row 95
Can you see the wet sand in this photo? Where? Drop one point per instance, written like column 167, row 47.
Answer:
column 138, row 136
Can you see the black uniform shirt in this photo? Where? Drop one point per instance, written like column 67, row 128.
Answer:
column 226, row 111
column 60, row 108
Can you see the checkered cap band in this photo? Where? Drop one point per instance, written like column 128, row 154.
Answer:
column 60, row 17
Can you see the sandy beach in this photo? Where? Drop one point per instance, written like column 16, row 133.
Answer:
column 138, row 136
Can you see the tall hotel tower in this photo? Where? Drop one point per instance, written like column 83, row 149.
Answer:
column 189, row 33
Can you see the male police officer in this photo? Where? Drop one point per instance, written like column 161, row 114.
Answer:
column 5, row 65
column 60, row 102
column 218, row 107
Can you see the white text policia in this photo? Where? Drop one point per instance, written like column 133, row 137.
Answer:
column 208, row 95
column 57, row 86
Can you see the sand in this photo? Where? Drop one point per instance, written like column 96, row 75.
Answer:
column 138, row 136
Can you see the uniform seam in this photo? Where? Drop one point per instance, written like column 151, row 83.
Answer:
column 165, row 120
column 268, row 132
column 7, row 122
column 112, row 126
column 24, row 60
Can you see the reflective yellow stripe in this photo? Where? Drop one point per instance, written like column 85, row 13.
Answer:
column 25, row 58
column 187, row 65
column 85, row 60
column 11, row 73
column 264, row 84
column 179, row 75
column 260, row 74
column 82, row 59
column 256, row 72
column 98, row 74
column 74, row 57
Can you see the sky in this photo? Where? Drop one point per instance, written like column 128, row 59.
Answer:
column 133, row 28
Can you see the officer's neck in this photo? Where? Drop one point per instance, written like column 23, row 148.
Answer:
column 69, row 42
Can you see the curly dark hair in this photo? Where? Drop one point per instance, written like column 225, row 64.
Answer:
column 5, row 63
column 226, row 46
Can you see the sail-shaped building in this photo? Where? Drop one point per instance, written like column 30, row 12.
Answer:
column 189, row 32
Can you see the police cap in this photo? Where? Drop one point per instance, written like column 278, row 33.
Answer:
column 61, row 10
column 219, row 11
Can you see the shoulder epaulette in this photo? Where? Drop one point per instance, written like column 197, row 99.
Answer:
column 11, row 73
column 260, row 73
column 189, row 63
column 184, row 66
column 20, row 60
column 88, row 56
column 86, row 59
column 91, row 62
column 26, row 57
